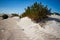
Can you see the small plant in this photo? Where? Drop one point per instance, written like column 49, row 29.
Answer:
column 4, row 16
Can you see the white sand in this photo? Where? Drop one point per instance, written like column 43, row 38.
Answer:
column 25, row 29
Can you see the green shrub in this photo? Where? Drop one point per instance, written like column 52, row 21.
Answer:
column 4, row 16
column 36, row 11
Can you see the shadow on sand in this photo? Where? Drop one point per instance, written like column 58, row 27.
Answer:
column 50, row 19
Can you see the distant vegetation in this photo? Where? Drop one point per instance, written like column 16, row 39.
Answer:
column 55, row 13
column 14, row 14
column 36, row 12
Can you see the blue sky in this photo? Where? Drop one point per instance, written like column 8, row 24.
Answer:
column 18, row 6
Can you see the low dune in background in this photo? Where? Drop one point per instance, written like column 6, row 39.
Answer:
column 25, row 29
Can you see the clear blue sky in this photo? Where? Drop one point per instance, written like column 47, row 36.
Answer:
column 18, row 6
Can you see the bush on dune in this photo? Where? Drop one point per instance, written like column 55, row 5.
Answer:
column 36, row 12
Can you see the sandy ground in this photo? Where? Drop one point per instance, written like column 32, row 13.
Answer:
column 24, row 29
column 9, row 30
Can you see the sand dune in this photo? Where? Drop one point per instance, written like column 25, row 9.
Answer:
column 25, row 29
